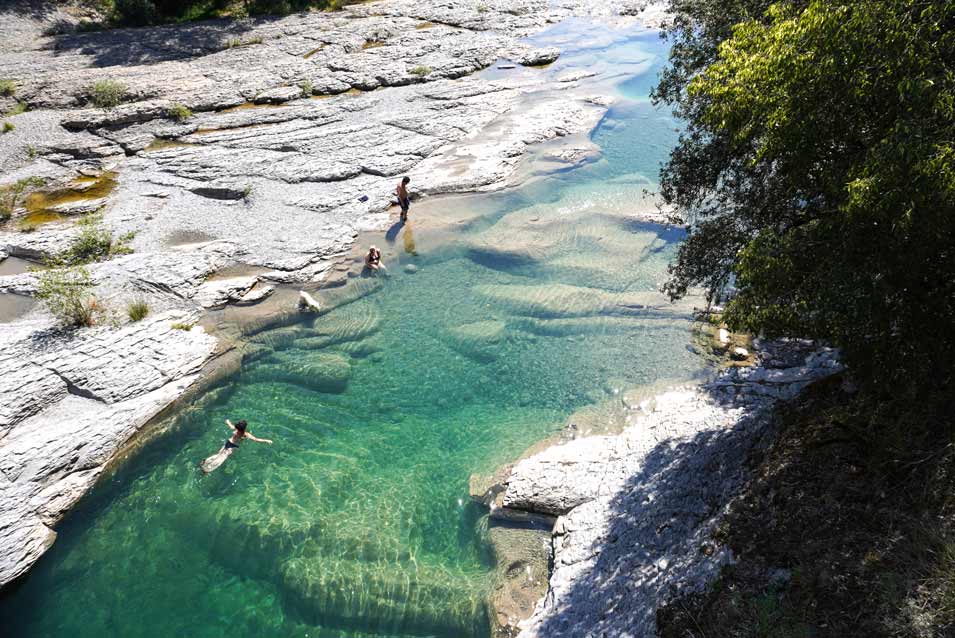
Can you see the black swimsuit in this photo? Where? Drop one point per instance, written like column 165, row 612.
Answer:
column 230, row 444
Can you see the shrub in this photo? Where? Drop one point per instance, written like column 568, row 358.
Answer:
column 66, row 292
column 137, row 310
column 178, row 112
column 10, row 195
column 420, row 70
column 7, row 88
column 31, row 151
column 182, row 325
column 107, row 93
column 94, row 243
column 135, row 12
column 87, row 26
column 307, row 88
column 8, row 126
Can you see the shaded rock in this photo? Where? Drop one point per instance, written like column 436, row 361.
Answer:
column 635, row 508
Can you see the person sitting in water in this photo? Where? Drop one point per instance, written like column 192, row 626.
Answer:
column 403, row 199
column 373, row 259
column 231, row 444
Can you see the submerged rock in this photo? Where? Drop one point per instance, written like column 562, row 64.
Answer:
column 322, row 372
column 480, row 340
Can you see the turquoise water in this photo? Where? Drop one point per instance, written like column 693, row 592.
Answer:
column 502, row 316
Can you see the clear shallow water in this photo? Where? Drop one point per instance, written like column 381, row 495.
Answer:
column 524, row 307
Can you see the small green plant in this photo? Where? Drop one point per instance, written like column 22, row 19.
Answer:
column 66, row 293
column 482, row 8
column 137, row 310
column 31, row 151
column 247, row 191
column 307, row 88
column 8, row 126
column 94, row 243
column 8, row 88
column 178, row 112
column 10, row 195
column 107, row 94
column 25, row 226
column 182, row 325
column 20, row 107
column 420, row 70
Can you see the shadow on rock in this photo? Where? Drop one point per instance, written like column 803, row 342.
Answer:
column 609, row 580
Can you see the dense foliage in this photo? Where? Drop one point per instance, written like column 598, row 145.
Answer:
column 817, row 175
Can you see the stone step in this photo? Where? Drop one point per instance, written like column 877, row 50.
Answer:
column 387, row 598
column 319, row 371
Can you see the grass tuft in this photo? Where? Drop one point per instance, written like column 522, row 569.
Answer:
column 178, row 112
column 137, row 310
column 107, row 94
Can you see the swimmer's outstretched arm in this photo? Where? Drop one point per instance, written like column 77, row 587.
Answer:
column 229, row 423
column 249, row 436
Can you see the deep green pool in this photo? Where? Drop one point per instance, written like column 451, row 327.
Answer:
column 531, row 305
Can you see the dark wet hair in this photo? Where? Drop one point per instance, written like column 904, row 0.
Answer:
column 405, row 179
column 241, row 425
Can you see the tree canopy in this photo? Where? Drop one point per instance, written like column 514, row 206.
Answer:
column 816, row 175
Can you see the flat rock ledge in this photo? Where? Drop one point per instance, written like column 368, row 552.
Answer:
column 636, row 511
column 70, row 403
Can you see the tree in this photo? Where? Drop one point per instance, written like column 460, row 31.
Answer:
column 816, row 176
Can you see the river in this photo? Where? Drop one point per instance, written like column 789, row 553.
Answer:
column 503, row 315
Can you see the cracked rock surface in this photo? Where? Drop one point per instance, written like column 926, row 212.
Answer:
column 69, row 403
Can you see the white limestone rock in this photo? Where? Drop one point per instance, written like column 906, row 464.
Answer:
column 636, row 509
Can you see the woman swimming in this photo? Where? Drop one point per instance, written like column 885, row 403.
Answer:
column 231, row 444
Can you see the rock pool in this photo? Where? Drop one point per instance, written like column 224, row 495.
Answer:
column 503, row 315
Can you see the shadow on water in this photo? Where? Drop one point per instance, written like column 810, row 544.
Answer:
column 392, row 235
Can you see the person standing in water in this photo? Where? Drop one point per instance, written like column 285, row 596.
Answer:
column 239, row 432
column 403, row 199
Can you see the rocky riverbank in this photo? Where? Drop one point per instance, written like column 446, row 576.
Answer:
column 632, row 515
column 299, row 127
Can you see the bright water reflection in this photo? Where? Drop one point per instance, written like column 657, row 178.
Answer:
column 522, row 308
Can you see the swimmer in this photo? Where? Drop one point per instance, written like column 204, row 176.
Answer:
column 231, row 444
